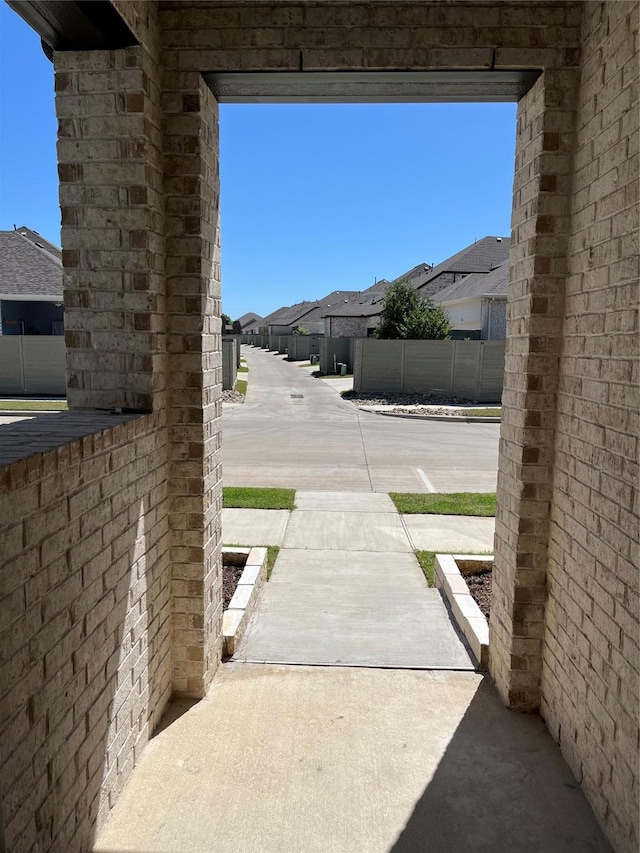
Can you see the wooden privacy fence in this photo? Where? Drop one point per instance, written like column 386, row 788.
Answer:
column 32, row 364
column 471, row 369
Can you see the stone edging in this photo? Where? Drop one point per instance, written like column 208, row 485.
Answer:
column 235, row 618
column 471, row 620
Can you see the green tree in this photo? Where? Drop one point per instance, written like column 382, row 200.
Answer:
column 226, row 320
column 406, row 315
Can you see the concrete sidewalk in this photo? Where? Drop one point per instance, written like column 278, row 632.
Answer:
column 346, row 589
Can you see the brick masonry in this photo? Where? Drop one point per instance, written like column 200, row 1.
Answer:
column 195, row 367
column 544, row 158
column 85, row 619
column 350, row 327
column 139, row 197
column 591, row 665
column 110, row 171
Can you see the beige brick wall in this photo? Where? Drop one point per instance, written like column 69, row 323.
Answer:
column 591, row 666
column 540, row 226
column 139, row 197
column 369, row 35
column 191, row 188
column 110, row 171
column 85, row 617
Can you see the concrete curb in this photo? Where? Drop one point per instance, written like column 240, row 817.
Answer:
column 17, row 413
column 433, row 417
column 235, row 618
column 471, row 621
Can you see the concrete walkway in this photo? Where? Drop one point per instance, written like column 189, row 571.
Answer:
column 347, row 590
column 374, row 758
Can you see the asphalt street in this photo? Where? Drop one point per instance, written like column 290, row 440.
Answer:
column 294, row 430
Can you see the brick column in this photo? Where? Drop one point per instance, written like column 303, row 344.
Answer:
column 110, row 170
column 191, row 189
column 540, row 222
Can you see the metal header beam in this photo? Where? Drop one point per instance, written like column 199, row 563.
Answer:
column 290, row 87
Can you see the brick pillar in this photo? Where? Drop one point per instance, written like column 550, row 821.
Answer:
column 540, row 223
column 191, row 187
column 110, row 170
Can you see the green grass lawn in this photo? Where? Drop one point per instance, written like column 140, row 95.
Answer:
column 240, row 386
column 490, row 412
column 33, row 405
column 250, row 498
column 427, row 560
column 272, row 553
column 243, row 369
column 455, row 503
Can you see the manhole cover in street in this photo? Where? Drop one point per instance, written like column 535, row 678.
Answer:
column 297, row 396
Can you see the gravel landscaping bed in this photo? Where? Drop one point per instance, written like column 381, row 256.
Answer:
column 232, row 397
column 427, row 403
column 480, row 589
column 230, row 579
column 387, row 398
column 411, row 404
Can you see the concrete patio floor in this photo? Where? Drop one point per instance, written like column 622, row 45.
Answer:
column 330, row 760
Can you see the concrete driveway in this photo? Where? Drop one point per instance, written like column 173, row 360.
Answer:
column 296, row 431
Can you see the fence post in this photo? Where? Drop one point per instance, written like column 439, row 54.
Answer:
column 23, row 384
column 453, row 366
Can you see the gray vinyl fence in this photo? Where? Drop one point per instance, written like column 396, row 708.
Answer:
column 283, row 344
column 279, row 343
column 229, row 363
column 32, row 364
column 303, row 346
column 235, row 338
column 471, row 369
column 335, row 351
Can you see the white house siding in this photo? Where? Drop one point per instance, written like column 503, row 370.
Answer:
column 465, row 315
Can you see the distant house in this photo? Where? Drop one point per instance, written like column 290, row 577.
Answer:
column 477, row 305
column 308, row 315
column 31, row 300
column 362, row 318
column 250, row 323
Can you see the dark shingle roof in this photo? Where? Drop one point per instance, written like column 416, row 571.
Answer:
column 494, row 283
column 40, row 241
column 249, row 319
column 275, row 315
column 356, row 309
column 481, row 256
column 28, row 266
column 294, row 313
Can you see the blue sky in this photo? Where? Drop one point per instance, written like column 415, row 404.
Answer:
column 314, row 198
